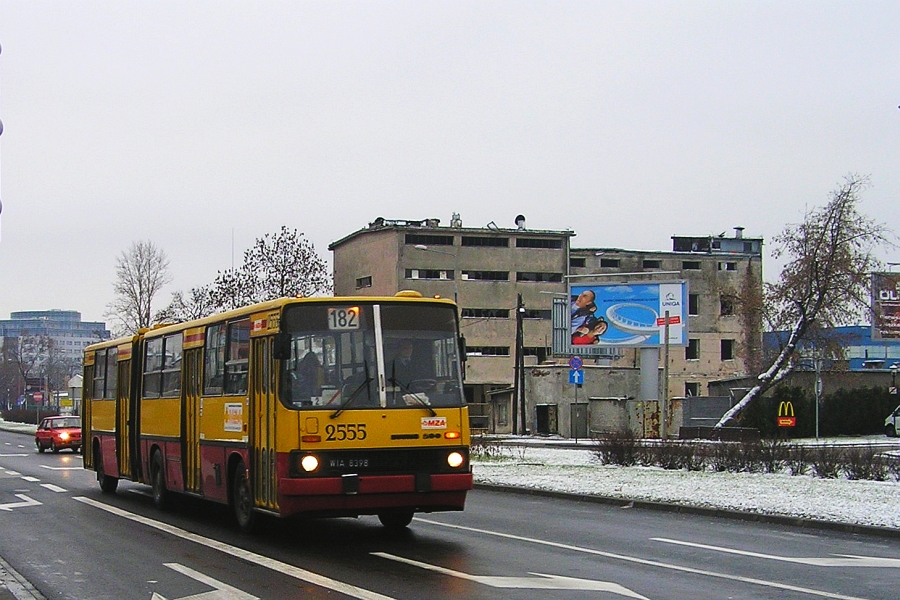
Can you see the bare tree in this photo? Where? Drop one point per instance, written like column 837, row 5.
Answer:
column 825, row 284
column 196, row 305
column 278, row 265
column 141, row 273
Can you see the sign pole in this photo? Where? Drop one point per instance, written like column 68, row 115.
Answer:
column 664, row 426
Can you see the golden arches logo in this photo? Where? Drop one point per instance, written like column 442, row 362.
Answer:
column 786, row 416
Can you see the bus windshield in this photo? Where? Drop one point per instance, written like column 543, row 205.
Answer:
column 388, row 355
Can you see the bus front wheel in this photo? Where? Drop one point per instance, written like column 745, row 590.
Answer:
column 396, row 520
column 242, row 499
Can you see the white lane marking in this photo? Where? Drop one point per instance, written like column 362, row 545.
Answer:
column 11, row 455
column 844, row 560
column 251, row 557
column 648, row 562
column 49, row 468
column 25, row 501
column 13, row 473
column 53, row 488
column 30, row 479
column 220, row 591
column 540, row 582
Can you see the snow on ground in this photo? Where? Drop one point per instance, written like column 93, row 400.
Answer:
column 577, row 471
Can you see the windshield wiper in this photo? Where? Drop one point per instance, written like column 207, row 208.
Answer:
column 415, row 395
column 352, row 396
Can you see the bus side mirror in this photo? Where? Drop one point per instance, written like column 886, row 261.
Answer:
column 282, row 346
column 462, row 348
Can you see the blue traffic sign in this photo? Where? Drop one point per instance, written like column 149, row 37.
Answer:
column 576, row 376
column 576, row 362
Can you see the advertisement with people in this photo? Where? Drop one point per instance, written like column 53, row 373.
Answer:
column 885, row 306
column 631, row 314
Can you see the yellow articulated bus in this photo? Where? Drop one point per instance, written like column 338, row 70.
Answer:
column 314, row 406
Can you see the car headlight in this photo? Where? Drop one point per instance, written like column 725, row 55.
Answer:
column 64, row 436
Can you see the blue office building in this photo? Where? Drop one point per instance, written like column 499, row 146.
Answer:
column 64, row 327
column 861, row 352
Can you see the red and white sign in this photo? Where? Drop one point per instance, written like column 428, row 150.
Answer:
column 38, row 397
column 661, row 321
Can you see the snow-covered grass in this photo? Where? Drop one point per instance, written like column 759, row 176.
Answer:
column 578, row 471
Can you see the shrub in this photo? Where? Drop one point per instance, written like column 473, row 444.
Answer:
column 865, row 463
column 798, row 460
column 827, row 461
column 773, row 454
column 484, row 448
column 618, row 448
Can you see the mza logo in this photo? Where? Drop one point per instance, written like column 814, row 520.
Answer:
column 434, row 422
column 786, row 416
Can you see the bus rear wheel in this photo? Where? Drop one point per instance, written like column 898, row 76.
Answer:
column 396, row 519
column 242, row 499
column 161, row 496
column 108, row 484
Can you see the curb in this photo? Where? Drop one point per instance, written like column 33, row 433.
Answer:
column 699, row 510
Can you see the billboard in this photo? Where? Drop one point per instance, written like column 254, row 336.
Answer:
column 628, row 314
column 885, row 306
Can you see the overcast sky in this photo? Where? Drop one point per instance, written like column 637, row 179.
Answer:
column 203, row 125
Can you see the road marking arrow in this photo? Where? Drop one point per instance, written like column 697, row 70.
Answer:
column 221, row 591
column 26, row 501
column 539, row 582
column 837, row 560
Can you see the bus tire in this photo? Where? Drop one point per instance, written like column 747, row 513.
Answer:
column 396, row 519
column 108, row 484
column 161, row 496
column 242, row 499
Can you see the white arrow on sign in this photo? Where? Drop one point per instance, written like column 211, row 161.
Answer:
column 838, row 560
column 26, row 501
column 539, row 582
column 222, row 591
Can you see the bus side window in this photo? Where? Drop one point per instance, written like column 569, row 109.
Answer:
column 237, row 360
column 214, row 360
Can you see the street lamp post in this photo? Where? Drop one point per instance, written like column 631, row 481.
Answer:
column 455, row 266
column 894, row 368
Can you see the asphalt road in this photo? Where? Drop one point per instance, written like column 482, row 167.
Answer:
column 70, row 541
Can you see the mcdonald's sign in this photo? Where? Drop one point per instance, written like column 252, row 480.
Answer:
column 786, row 416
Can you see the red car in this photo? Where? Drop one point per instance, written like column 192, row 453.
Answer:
column 57, row 433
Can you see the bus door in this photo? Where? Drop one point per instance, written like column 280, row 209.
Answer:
column 125, row 419
column 193, row 360
column 262, row 425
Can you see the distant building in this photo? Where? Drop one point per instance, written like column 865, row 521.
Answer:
column 486, row 268
column 69, row 333
column 861, row 352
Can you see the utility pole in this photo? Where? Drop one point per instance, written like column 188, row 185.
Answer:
column 519, row 372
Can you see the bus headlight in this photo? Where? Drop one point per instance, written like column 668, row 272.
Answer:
column 455, row 460
column 309, row 463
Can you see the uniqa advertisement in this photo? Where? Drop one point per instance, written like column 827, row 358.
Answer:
column 632, row 314
column 885, row 306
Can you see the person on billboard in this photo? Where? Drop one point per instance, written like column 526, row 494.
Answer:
column 583, row 307
column 590, row 332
